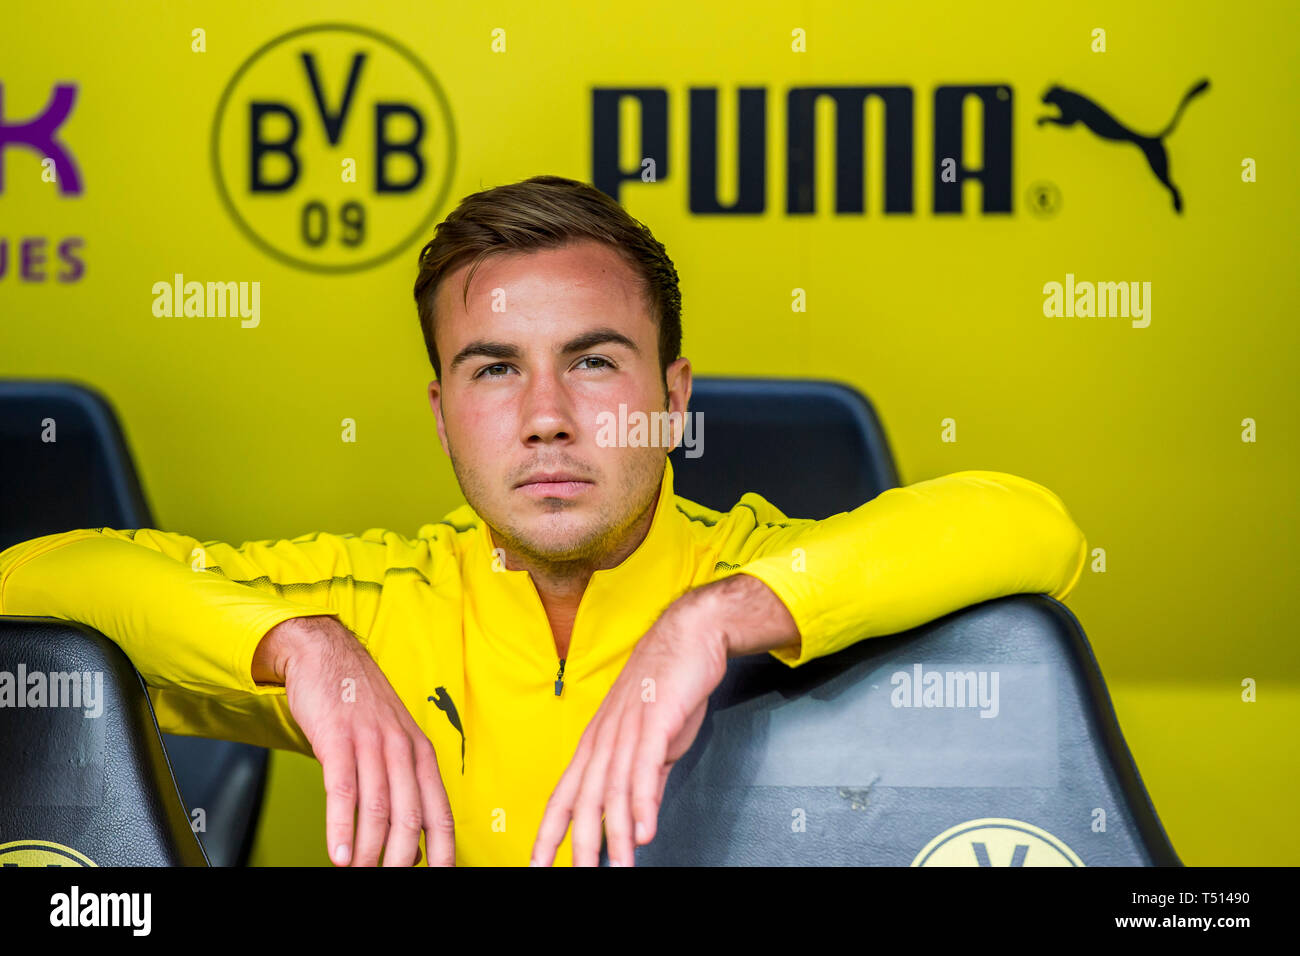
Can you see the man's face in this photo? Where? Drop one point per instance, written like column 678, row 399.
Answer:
column 549, row 341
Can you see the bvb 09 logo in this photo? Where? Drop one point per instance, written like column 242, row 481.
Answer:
column 333, row 147
column 996, row 841
column 41, row 853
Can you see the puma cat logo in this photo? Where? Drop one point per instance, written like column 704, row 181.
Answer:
column 1077, row 108
column 442, row 700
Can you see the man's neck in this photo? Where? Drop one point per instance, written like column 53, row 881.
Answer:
column 561, row 585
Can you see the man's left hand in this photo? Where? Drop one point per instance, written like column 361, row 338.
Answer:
column 647, row 721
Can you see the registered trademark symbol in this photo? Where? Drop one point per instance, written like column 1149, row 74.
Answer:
column 1044, row 199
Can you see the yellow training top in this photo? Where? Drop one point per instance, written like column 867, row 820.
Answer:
column 467, row 645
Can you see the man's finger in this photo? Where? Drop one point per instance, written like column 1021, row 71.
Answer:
column 590, row 803
column 618, row 786
column 373, row 806
column 648, row 777
column 406, row 816
column 339, row 771
column 559, row 809
column 439, row 829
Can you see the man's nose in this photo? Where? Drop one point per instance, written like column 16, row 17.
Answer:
column 548, row 410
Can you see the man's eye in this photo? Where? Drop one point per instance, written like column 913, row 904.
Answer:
column 596, row 358
column 488, row 368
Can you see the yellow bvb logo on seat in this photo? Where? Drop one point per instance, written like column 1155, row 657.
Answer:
column 996, row 841
column 41, row 853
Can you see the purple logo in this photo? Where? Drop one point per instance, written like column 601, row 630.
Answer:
column 39, row 134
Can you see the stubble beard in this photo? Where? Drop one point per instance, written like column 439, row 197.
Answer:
column 580, row 549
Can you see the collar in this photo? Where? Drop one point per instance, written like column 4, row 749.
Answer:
column 619, row 604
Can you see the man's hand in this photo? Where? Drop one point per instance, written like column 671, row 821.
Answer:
column 651, row 715
column 373, row 755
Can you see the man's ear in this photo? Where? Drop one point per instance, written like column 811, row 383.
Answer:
column 435, row 402
column 677, row 379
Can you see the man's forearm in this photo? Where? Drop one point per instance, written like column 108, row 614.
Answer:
column 270, row 660
column 750, row 615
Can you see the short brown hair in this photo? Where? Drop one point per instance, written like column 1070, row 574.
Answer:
column 542, row 213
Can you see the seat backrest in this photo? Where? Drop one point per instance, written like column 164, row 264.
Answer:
column 65, row 464
column 86, row 780
column 983, row 738
column 812, row 448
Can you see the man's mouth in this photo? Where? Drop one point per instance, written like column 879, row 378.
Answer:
column 554, row 485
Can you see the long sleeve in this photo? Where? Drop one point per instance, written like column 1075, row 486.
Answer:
column 909, row 556
column 188, row 613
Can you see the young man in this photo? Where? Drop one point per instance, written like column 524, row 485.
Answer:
column 542, row 655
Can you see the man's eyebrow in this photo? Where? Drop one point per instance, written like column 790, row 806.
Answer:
column 600, row 336
column 497, row 350
column 504, row 350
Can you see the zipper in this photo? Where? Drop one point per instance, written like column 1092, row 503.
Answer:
column 559, row 678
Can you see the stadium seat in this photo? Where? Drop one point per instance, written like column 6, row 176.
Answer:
column 812, row 448
column 87, row 479
column 834, row 763
column 882, row 754
column 80, row 787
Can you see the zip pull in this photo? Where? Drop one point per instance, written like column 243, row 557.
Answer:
column 559, row 678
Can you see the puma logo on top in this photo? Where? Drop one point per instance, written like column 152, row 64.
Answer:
column 1077, row 108
column 442, row 700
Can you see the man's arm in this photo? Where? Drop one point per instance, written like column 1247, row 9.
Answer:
column 800, row 589
column 224, row 655
column 382, row 783
column 271, row 658
column 907, row 557
column 189, row 614
column 750, row 616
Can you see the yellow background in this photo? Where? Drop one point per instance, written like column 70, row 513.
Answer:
column 237, row 431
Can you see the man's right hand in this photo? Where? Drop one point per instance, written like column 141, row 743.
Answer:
column 374, row 756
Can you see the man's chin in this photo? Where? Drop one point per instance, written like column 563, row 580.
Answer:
column 563, row 535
